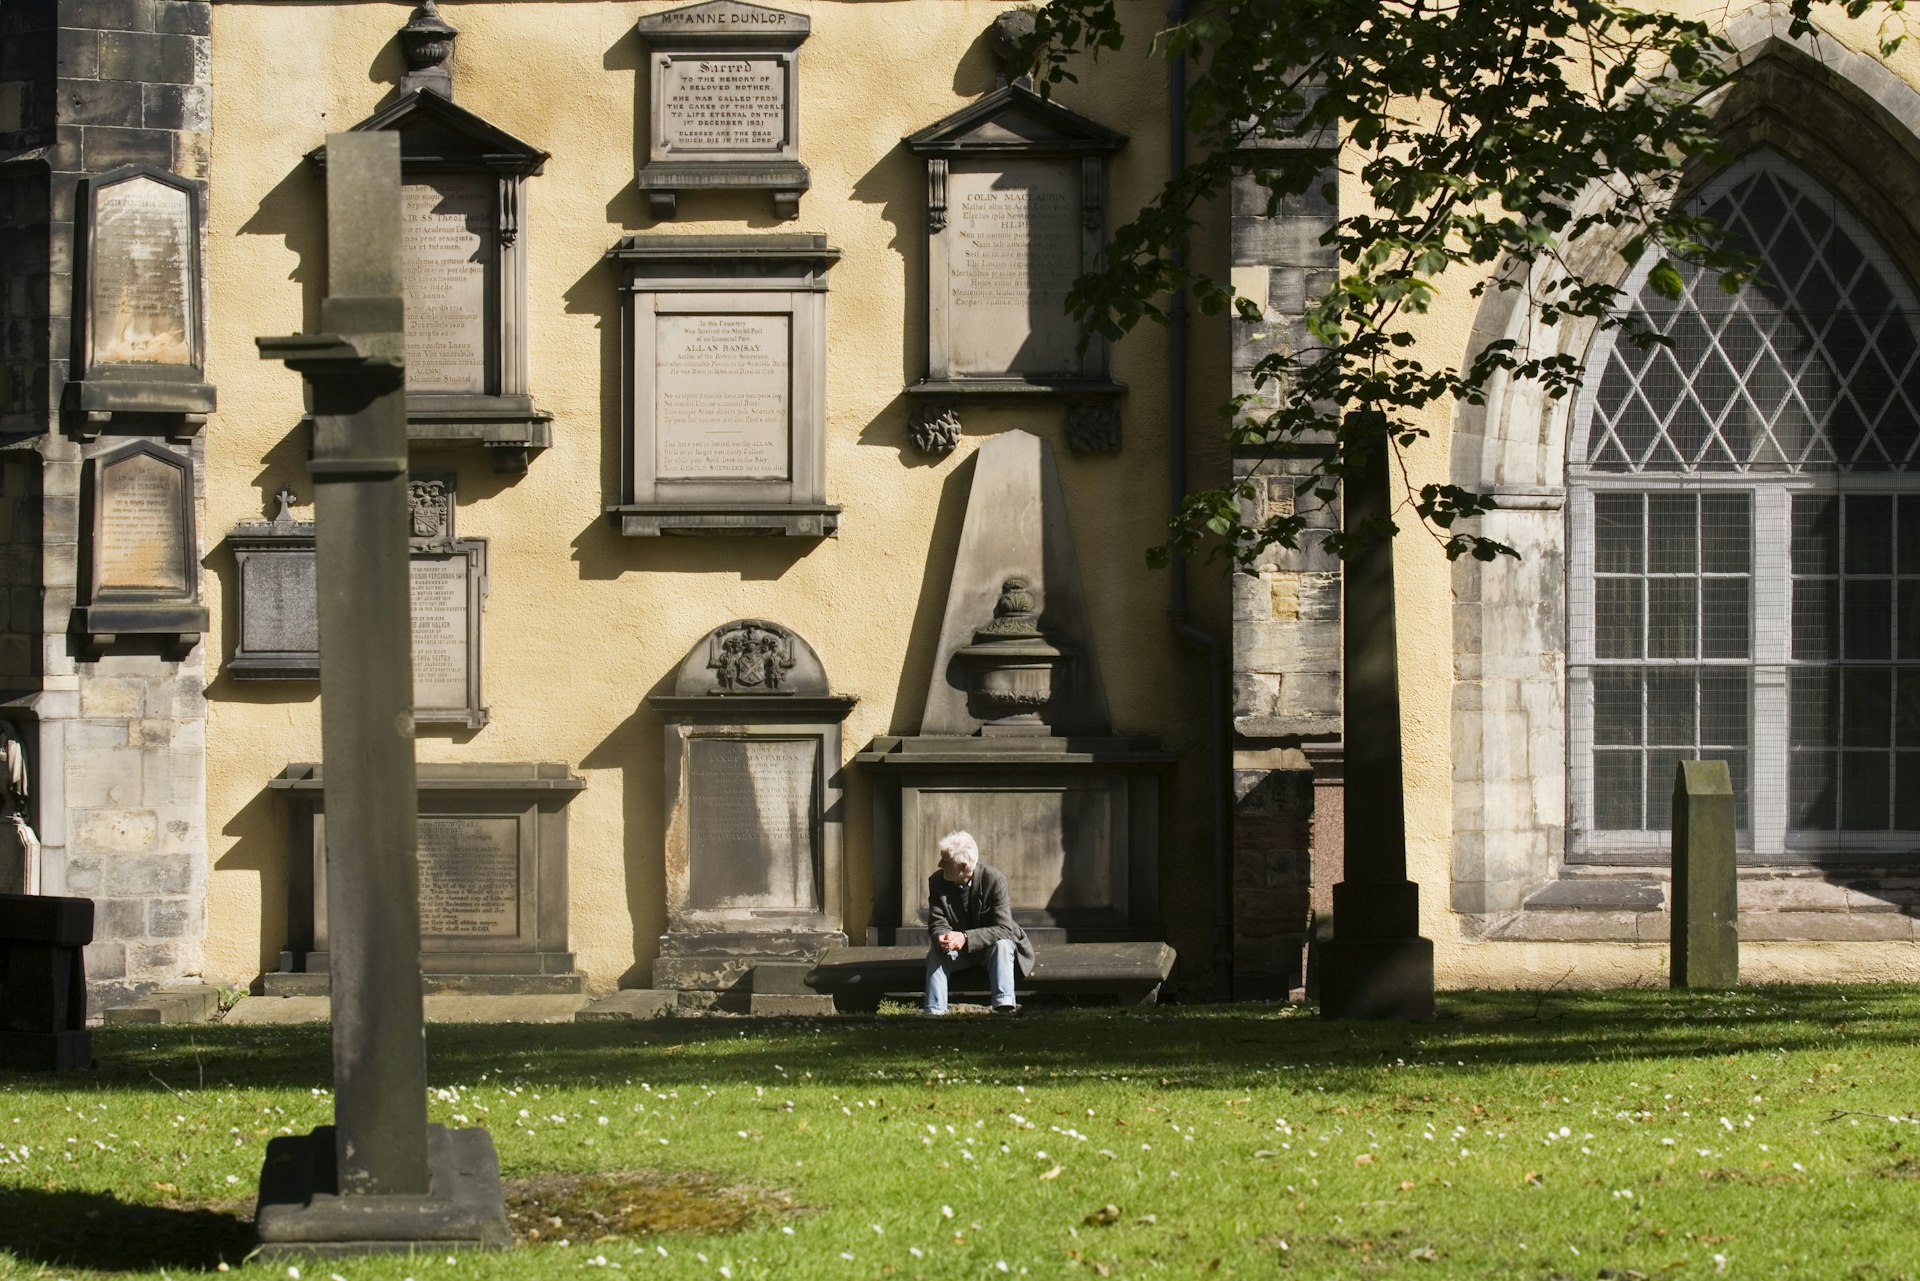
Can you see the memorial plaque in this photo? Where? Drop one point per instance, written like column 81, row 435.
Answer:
column 447, row 246
column 469, row 877
column 731, row 103
column 722, row 397
column 442, row 632
column 1015, row 255
column 280, row 599
column 142, row 546
column 752, row 823
column 142, row 274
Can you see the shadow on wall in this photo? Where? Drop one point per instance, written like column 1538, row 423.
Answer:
column 929, row 611
column 633, row 752
column 260, row 845
column 296, row 211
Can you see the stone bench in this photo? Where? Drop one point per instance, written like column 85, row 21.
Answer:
column 43, row 982
column 858, row 977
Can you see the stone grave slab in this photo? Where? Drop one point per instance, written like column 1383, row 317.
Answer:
column 143, row 572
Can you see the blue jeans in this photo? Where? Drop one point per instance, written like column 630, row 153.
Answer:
column 999, row 960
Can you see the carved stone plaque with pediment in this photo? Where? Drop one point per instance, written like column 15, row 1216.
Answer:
column 725, row 79
column 144, row 571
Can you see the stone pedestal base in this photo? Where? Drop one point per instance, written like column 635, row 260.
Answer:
column 1376, row 978
column 301, row 1214
column 47, row 1051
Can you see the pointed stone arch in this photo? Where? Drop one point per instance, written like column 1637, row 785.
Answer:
column 1849, row 122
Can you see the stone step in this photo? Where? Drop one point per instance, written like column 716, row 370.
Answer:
column 169, row 1003
column 628, row 1004
column 283, row 984
column 441, row 1007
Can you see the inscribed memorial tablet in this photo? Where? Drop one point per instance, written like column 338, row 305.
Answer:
column 723, row 103
column 280, row 597
column 721, row 397
column 1016, row 252
column 142, row 528
column 446, row 240
column 469, row 877
column 142, row 267
column 441, row 633
column 752, row 826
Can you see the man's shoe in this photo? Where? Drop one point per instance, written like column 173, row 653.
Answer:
column 1006, row 1009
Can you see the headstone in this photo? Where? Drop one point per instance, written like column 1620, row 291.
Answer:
column 144, row 573
column 463, row 261
column 380, row 1178
column 725, row 81
column 724, row 391
column 1016, row 212
column 754, row 848
column 1016, row 744
column 139, row 345
column 1705, row 922
column 492, row 851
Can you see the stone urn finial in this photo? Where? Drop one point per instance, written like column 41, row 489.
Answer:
column 1008, row 33
column 427, row 43
column 1011, row 668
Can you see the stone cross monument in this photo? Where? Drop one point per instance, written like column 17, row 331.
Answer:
column 379, row 1178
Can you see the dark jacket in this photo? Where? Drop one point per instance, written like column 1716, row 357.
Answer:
column 978, row 909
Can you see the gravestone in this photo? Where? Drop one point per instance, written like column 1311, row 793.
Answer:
column 278, row 604
column 1016, row 743
column 43, row 982
column 725, row 95
column 1016, row 211
column 754, row 861
column 1705, row 923
column 143, row 576
column 724, row 390
column 492, row 850
column 463, row 264
column 139, row 342
column 380, row 1178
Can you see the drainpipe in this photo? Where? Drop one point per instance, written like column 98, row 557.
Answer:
column 1219, row 728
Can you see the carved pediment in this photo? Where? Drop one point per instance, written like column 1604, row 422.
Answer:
column 435, row 131
column 1015, row 118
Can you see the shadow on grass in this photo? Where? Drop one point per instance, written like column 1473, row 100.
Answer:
column 101, row 1233
column 1190, row 1047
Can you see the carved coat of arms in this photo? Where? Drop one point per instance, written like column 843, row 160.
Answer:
column 750, row 658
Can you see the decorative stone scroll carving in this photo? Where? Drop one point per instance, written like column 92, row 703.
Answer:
column 1016, row 211
column 725, row 80
column 753, row 850
column 143, row 563
column 139, row 342
column 724, row 391
column 464, row 276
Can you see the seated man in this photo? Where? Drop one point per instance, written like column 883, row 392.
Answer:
column 970, row 922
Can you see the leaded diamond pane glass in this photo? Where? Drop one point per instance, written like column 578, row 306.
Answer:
column 1812, row 367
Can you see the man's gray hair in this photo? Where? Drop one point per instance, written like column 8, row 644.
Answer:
column 961, row 848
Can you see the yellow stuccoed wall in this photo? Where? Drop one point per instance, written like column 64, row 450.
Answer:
column 581, row 623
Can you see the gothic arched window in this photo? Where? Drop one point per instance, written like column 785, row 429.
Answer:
column 1744, row 543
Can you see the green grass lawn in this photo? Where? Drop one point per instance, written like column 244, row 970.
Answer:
column 1766, row 1132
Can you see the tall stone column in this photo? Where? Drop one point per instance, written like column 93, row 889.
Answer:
column 1376, row 966
column 380, row 1178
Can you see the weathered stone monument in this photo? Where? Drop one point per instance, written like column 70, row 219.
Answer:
column 142, row 577
column 724, row 388
column 1706, row 934
column 139, row 346
column 379, row 1178
column 1376, row 966
column 725, row 82
column 1016, row 744
column 1016, row 211
column 754, row 868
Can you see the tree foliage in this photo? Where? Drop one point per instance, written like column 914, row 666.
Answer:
column 1482, row 131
